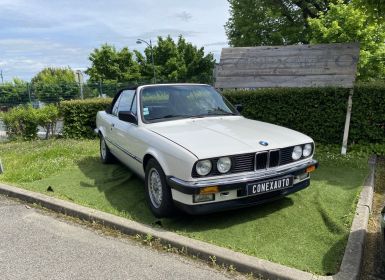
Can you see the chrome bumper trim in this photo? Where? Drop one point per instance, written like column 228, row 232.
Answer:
column 241, row 178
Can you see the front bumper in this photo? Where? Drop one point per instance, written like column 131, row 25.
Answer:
column 238, row 184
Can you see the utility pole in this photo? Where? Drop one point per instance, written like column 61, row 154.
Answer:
column 100, row 88
column 29, row 92
column 79, row 78
column 1, row 75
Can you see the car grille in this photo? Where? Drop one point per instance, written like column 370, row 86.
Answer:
column 253, row 161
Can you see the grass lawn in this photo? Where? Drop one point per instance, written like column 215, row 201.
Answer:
column 307, row 230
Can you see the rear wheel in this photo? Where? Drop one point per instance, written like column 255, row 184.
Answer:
column 105, row 155
column 158, row 193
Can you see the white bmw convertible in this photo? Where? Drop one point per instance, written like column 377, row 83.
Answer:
column 196, row 152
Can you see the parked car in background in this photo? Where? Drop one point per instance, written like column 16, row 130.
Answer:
column 196, row 152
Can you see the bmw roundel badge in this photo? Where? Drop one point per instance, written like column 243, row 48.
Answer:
column 263, row 143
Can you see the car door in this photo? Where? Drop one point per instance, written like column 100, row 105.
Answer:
column 109, row 124
column 125, row 133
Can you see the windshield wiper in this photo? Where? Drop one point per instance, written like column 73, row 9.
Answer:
column 216, row 112
column 222, row 114
column 168, row 117
column 219, row 111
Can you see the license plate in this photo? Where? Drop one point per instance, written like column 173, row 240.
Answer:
column 269, row 185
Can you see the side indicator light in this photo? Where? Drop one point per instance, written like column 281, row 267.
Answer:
column 310, row 169
column 207, row 190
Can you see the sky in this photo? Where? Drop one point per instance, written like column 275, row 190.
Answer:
column 43, row 33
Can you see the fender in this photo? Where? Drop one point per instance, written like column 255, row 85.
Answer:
column 160, row 159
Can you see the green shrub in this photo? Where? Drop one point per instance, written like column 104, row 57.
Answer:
column 319, row 112
column 47, row 118
column 79, row 116
column 21, row 122
column 369, row 149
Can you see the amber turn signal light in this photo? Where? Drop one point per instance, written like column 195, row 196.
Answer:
column 310, row 169
column 211, row 189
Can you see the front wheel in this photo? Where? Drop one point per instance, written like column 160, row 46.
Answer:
column 158, row 193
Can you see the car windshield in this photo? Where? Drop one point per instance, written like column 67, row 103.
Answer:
column 166, row 102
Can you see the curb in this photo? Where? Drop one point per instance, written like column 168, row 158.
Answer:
column 351, row 263
column 350, row 266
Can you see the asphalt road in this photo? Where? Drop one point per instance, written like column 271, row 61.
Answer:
column 35, row 244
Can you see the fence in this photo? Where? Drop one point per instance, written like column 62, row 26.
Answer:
column 36, row 94
column 12, row 95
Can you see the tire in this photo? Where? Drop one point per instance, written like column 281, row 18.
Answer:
column 105, row 154
column 158, row 193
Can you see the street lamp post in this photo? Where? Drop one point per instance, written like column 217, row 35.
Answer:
column 139, row 41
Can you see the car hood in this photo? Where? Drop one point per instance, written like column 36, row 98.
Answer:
column 219, row 136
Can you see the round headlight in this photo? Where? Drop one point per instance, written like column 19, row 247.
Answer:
column 307, row 150
column 203, row 167
column 297, row 153
column 224, row 164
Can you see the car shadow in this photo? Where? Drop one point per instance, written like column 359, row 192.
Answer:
column 125, row 193
column 332, row 259
column 123, row 190
column 225, row 219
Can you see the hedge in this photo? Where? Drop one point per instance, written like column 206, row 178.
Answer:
column 79, row 116
column 368, row 114
column 319, row 112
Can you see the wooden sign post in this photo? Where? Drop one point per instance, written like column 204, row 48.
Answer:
column 347, row 123
column 325, row 65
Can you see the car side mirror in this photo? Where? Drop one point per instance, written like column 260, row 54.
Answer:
column 239, row 107
column 128, row 116
column 108, row 109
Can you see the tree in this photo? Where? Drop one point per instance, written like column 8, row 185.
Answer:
column 198, row 66
column 177, row 62
column 271, row 22
column 47, row 118
column 353, row 22
column 111, row 65
column 15, row 92
column 375, row 8
column 54, row 84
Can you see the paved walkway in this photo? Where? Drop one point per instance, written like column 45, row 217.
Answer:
column 36, row 245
